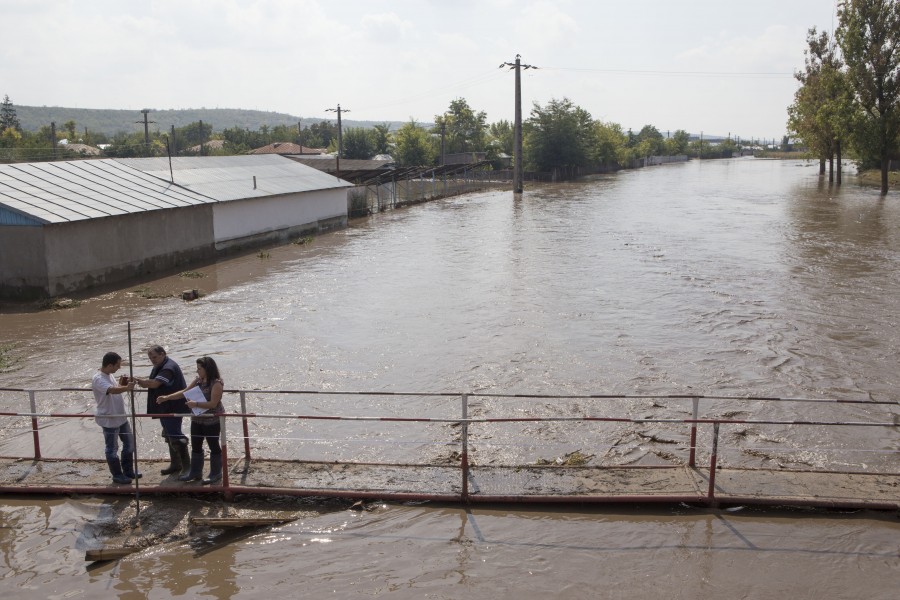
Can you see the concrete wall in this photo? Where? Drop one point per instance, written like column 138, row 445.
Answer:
column 83, row 254
column 240, row 223
column 23, row 266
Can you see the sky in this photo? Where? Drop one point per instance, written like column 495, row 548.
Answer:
column 714, row 66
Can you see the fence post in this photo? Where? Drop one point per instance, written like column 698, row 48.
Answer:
column 465, row 448
column 691, row 460
column 246, row 430
column 711, row 494
column 34, row 426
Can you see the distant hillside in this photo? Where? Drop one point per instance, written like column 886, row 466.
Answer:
column 112, row 121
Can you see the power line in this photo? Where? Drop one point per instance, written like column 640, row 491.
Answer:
column 674, row 73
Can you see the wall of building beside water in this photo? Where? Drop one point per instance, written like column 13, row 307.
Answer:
column 243, row 223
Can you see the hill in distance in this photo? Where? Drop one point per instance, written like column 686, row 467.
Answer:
column 113, row 121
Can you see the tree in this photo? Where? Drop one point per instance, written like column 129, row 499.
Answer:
column 650, row 141
column 607, row 139
column 869, row 36
column 358, row 143
column 414, row 146
column 501, row 134
column 381, row 138
column 678, row 143
column 69, row 126
column 822, row 112
column 464, row 129
column 557, row 136
column 8, row 116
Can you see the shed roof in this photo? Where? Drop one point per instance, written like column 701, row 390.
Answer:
column 62, row 191
column 286, row 148
column 232, row 177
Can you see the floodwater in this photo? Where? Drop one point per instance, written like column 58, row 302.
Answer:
column 727, row 278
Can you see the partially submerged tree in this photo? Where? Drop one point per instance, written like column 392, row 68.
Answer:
column 869, row 36
column 558, row 136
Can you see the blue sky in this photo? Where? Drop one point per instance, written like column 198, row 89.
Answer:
column 714, row 66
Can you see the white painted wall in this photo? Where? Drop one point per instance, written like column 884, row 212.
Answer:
column 237, row 219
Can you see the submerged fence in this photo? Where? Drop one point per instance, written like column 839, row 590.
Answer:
column 485, row 436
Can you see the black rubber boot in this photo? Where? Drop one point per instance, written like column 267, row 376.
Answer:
column 215, row 469
column 115, row 467
column 196, row 472
column 184, row 457
column 175, row 464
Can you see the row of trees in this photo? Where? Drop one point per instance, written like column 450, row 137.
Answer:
column 850, row 87
column 558, row 136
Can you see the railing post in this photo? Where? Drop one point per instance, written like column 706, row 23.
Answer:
column 691, row 460
column 34, row 426
column 465, row 448
column 711, row 494
column 223, row 437
column 246, row 430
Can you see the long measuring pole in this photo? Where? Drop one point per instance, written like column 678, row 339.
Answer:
column 137, row 484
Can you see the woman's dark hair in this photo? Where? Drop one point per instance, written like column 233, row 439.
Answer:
column 211, row 368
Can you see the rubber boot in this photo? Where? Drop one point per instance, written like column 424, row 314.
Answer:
column 215, row 469
column 196, row 472
column 184, row 457
column 115, row 467
column 175, row 464
column 128, row 467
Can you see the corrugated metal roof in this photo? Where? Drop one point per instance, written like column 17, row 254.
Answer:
column 58, row 192
column 231, row 177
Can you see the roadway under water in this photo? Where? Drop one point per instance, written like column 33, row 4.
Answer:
column 740, row 277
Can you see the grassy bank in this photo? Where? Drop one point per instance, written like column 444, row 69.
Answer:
column 873, row 178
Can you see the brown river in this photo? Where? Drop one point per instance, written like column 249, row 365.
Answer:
column 728, row 278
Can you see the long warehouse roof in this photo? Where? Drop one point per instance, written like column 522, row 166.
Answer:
column 64, row 191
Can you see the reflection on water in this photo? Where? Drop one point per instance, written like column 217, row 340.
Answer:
column 724, row 277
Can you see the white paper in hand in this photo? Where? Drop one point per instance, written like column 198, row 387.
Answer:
column 195, row 395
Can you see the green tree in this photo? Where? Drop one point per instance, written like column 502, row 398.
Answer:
column 869, row 36
column 464, row 129
column 8, row 116
column 821, row 115
column 71, row 135
column 650, row 141
column 414, row 146
column 607, row 141
column 358, row 143
column 381, row 137
column 678, row 143
column 501, row 134
column 557, row 136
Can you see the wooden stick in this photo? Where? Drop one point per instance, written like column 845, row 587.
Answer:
column 231, row 522
column 108, row 553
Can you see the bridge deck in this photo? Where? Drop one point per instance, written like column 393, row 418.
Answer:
column 551, row 484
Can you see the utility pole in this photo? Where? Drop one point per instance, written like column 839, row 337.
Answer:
column 443, row 133
column 53, row 137
column 146, row 123
column 517, row 130
column 340, row 136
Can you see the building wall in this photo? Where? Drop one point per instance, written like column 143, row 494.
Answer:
column 62, row 258
column 23, row 268
column 254, row 221
column 83, row 254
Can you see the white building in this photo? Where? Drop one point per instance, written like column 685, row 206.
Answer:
column 70, row 225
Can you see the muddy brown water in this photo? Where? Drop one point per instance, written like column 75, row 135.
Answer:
column 731, row 278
